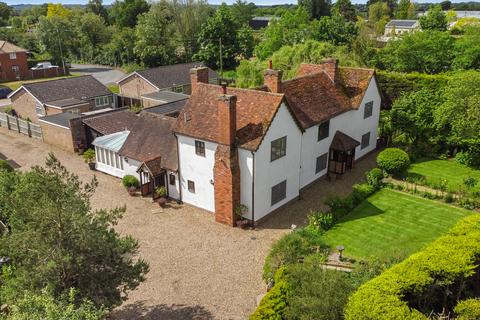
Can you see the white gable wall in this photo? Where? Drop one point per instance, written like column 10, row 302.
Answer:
column 269, row 174
column 351, row 123
column 245, row 161
column 198, row 169
column 173, row 190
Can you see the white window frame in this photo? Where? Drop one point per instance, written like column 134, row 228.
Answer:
column 39, row 110
column 102, row 101
column 13, row 55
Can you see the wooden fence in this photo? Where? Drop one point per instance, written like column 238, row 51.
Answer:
column 21, row 126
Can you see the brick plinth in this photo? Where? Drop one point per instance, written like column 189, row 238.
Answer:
column 226, row 173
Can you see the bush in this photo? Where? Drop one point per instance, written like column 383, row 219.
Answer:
column 448, row 198
column 320, row 221
column 273, row 304
column 290, row 248
column 393, row 161
column 5, row 166
column 361, row 192
column 375, row 178
column 89, row 155
column 339, row 206
column 468, row 158
column 428, row 281
column 468, row 309
column 130, row 181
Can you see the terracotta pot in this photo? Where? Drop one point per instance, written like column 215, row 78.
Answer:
column 242, row 223
column 132, row 191
column 91, row 165
column 161, row 201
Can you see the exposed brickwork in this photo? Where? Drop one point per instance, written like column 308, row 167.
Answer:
column 273, row 80
column 134, row 87
column 226, row 173
column 227, row 119
column 197, row 75
column 24, row 105
column 57, row 136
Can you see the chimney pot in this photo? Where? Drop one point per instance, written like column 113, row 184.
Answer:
column 270, row 64
column 273, row 80
column 224, row 89
column 199, row 74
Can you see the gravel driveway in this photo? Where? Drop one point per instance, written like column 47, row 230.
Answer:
column 199, row 269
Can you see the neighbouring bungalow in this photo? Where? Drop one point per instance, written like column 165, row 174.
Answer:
column 396, row 28
column 159, row 85
column 257, row 149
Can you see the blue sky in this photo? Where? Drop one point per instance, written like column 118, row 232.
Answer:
column 260, row 2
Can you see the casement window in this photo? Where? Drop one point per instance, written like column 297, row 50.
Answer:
column 172, row 179
column 368, row 110
column 74, row 111
column 200, row 148
column 279, row 192
column 321, row 163
column 102, row 101
column 278, row 148
column 191, row 186
column 323, row 130
column 13, row 56
column 15, row 69
column 365, row 140
column 39, row 110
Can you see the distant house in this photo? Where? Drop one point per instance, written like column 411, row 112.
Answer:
column 72, row 95
column 258, row 23
column 13, row 62
column 398, row 27
column 159, row 85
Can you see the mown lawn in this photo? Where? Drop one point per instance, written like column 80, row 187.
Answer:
column 392, row 223
column 450, row 170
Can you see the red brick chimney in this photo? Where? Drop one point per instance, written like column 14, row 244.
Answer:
column 198, row 74
column 226, row 170
column 330, row 67
column 273, row 78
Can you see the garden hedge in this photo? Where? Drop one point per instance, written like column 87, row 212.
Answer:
column 393, row 161
column 446, row 267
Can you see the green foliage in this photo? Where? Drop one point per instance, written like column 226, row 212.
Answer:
column 429, row 51
column 430, row 280
column 375, row 178
column 405, row 10
column 273, row 304
column 126, row 12
column 44, row 306
column 5, row 166
column 361, row 192
column 89, row 155
column 346, row 9
column 393, row 161
column 378, row 16
column 161, row 191
column 243, row 11
column 249, row 74
column 335, row 29
column 468, row 309
column 435, row 19
column 130, row 181
column 339, row 206
column 9, row 110
column 289, row 249
column 56, row 35
column 467, row 49
column 56, row 240
column 320, row 221
column 316, row 8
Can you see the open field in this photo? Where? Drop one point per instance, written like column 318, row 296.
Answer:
column 436, row 170
column 392, row 223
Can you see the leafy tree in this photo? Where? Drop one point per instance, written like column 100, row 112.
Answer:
column 405, row 10
column 5, row 13
column 119, row 51
column 96, row 6
column 446, row 5
column 56, row 35
column 93, row 33
column 243, row 11
column 435, row 19
column 154, row 45
column 58, row 242
column 392, row 5
column 335, row 29
column 316, row 8
column 378, row 16
column 57, row 10
column 222, row 28
column 249, row 74
column 428, row 51
column 292, row 28
column 126, row 12
column 467, row 49
column 189, row 16
column 346, row 9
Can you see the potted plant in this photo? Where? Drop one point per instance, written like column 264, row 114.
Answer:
column 131, row 183
column 239, row 211
column 89, row 157
column 161, row 192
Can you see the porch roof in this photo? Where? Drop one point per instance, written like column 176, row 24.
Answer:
column 112, row 141
column 343, row 142
column 154, row 166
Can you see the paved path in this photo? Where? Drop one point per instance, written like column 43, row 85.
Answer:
column 104, row 74
column 199, row 269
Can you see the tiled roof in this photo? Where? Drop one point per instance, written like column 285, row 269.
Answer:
column 167, row 108
column 152, row 137
column 7, row 47
column 255, row 110
column 164, row 96
column 83, row 87
column 154, row 166
column 355, row 82
column 61, row 119
column 176, row 74
column 314, row 98
column 343, row 142
column 402, row 23
column 65, row 103
column 111, row 122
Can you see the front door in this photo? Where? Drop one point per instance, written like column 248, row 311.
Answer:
column 349, row 159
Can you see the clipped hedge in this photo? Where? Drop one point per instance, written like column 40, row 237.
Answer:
column 273, row 304
column 393, row 161
column 443, row 268
column 468, row 309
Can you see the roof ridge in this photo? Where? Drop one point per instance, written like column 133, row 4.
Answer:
column 268, row 93
column 60, row 79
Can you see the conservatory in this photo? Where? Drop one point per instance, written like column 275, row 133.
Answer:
column 106, row 151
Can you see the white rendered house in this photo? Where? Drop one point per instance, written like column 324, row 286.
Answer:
column 257, row 149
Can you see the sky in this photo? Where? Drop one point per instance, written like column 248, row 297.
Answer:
column 258, row 2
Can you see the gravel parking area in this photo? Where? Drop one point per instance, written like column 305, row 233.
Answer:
column 199, row 269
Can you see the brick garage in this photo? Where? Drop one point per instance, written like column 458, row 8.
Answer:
column 57, row 130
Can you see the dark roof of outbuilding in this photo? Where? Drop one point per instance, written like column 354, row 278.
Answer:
column 255, row 111
column 111, row 122
column 167, row 108
column 61, row 119
column 83, row 87
column 402, row 23
column 165, row 96
column 167, row 76
column 65, row 103
column 343, row 142
column 152, row 137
